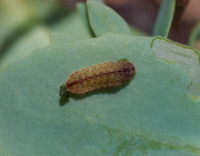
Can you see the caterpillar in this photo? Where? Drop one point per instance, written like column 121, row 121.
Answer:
column 103, row 75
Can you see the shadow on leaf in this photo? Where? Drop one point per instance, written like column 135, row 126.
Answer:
column 64, row 94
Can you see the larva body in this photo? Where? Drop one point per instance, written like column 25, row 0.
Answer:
column 102, row 75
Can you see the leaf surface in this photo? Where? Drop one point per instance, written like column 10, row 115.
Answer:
column 164, row 19
column 103, row 19
column 185, row 57
column 153, row 114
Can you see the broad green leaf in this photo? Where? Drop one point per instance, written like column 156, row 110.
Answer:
column 185, row 57
column 152, row 115
column 37, row 38
column 164, row 19
column 195, row 35
column 103, row 19
column 72, row 25
column 58, row 38
column 81, row 7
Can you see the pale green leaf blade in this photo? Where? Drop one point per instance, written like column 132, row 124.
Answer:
column 103, row 19
column 82, row 9
column 185, row 57
column 153, row 114
column 164, row 18
column 195, row 35
column 72, row 25
column 58, row 38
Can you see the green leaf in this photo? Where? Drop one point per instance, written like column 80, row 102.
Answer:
column 164, row 19
column 72, row 25
column 81, row 7
column 36, row 38
column 58, row 38
column 185, row 57
column 152, row 115
column 103, row 19
column 195, row 35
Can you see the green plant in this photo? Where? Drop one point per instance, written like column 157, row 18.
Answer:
column 157, row 113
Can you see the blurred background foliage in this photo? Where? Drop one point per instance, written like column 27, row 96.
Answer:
column 20, row 17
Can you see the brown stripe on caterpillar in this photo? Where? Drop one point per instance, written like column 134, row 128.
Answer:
column 103, row 75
